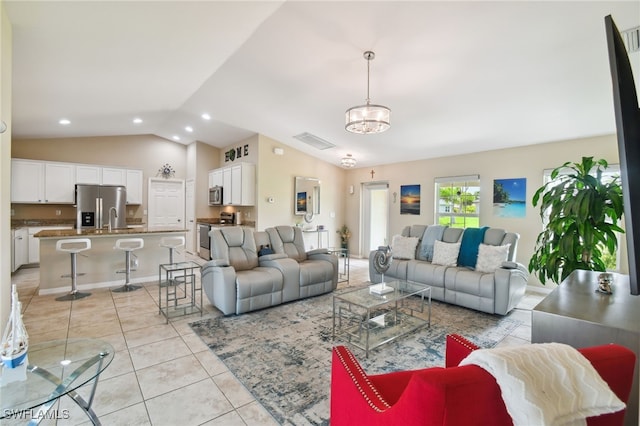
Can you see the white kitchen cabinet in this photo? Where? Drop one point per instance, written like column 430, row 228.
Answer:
column 243, row 185
column 27, row 181
column 215, row 178
column 35, row 181
column 114, row 176
column 59, row 183
column 238, row 183
column 88, row 174
column 226, row 186
column 134, row 186
column 20, row 252
column 34, row 242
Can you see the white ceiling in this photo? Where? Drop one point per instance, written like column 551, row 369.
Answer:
column 459, row 77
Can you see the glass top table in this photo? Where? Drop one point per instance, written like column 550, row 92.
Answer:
column 52, row 370
column 380, row 313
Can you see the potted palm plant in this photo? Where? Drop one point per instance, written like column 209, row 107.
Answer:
column 581, row 212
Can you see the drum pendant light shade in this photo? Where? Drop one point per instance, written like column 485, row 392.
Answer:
column 368, row 118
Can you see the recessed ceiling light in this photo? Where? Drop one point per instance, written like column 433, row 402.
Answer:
column 176, row 137
column 137, row 120
column 64, row 121
column 188, row 129
column 206, row 116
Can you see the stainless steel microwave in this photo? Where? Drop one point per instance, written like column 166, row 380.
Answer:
column 215, row 196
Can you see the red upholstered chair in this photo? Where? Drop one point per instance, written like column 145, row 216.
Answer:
column 455, row 395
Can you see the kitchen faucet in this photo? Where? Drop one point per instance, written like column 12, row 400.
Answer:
column 112, row 209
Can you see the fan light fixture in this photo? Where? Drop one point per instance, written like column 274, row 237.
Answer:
column 349, row 162
column 368, row 118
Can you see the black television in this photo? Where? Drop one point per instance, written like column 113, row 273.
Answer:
column 625, row 102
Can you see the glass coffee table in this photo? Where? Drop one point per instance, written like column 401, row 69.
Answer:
column 52, row 370
column 371, row 316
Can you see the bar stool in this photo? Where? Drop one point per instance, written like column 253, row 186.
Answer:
column 73, row 247
column 128, row 245
column 172, row 243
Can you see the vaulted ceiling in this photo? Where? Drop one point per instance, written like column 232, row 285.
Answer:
column 459, row 77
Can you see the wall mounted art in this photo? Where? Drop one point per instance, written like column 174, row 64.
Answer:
column 410, row 199
column 510, row 197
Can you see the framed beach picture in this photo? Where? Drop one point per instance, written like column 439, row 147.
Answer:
column 510, row 197
column 410, row 199
column 301, row 202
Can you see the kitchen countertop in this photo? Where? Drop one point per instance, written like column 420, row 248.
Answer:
column 216, row 221
column 62, row 233
column 24, row 223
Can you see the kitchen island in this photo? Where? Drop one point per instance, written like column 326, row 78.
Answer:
column 100, row 263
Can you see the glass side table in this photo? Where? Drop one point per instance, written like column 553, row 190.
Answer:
column 343, row 270
column 52, row 370
column 178, row 280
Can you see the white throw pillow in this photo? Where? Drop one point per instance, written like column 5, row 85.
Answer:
column 491, row 257
column 445, row 254
column 404, row 247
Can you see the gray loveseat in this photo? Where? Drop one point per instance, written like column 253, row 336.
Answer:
column 237, row 280
column 496, row 291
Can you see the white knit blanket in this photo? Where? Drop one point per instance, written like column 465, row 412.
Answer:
column 549, row 384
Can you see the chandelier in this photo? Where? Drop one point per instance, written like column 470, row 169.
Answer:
column 349, row 162
column 367, row 118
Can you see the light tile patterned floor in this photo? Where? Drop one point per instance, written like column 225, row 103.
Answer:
column 161, row 374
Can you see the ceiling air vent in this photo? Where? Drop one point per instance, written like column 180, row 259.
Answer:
column 631, row 39
column 314, row 141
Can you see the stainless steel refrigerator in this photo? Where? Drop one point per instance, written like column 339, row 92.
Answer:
column 97, row 204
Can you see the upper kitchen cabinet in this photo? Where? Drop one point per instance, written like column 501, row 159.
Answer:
column 238, row 184
column 88, row 174
column 59, row 183
column 243, row 185
column 42, row 182
column 215, row 178
column 134, row 186
column 27, row 181
column 34, row 181
column 114, row 176
column 131, row 179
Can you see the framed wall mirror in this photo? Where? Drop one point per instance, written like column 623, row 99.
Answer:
column 306, row 196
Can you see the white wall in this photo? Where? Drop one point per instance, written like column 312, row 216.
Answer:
column 5, row 167
column 276, row 175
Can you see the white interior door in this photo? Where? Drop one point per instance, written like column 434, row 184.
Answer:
column 375, row 216
column 190, row 207
column 166, row 203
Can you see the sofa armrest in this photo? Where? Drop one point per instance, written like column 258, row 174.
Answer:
column 457, row 349
column 273, row 256
column 351, row 388
column 317, row 251
column 510, row 286
column 326, row 256
column 215, row 262
column 219, row 284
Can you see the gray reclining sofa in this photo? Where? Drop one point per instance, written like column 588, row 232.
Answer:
column 237, row 280
column 497, row 291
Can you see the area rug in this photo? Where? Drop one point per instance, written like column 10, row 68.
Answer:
column 283, row 354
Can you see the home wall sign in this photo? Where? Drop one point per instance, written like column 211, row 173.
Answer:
column 236, row 153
